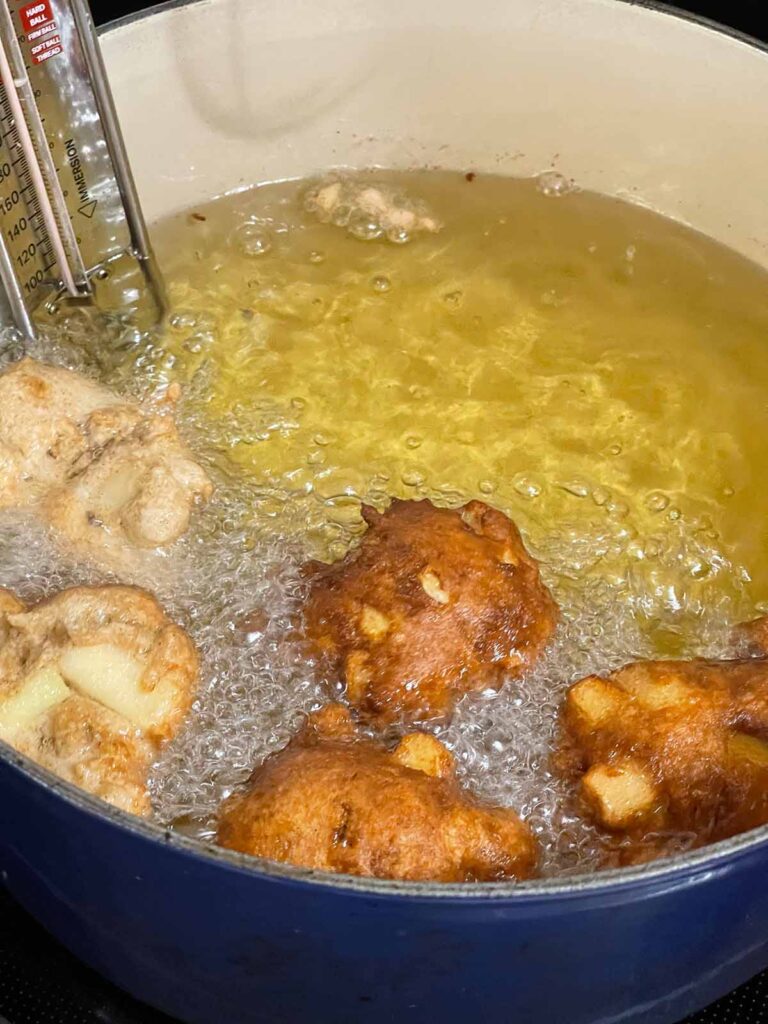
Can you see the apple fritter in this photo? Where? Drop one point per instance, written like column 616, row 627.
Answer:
column 433, row 604
column 108, row 474
column 672, row 745
column 92, row 681
column 335, row 800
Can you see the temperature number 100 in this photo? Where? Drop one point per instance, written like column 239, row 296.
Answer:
column 32, row 282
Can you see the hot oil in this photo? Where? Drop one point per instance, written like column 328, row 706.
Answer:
column 575, row 360
column 585, row 365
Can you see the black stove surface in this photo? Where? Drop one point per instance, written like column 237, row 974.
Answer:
column 41, row 983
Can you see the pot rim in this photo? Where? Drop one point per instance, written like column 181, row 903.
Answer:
column 671, row 872
column 654, row 6
column 703, row 863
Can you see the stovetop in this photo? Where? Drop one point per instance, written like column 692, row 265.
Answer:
column 41, row 983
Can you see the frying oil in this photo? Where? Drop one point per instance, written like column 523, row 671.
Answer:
column 590, row 368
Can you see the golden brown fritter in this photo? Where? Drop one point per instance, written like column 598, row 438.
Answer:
column 333, row 800
column 108, row 474
column 672, row 745
column 91, row 682
column 433, row 604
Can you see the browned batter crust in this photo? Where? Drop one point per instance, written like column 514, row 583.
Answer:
column 433, row 604
column 334, row 800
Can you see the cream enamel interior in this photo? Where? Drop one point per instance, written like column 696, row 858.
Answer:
column 218, row 94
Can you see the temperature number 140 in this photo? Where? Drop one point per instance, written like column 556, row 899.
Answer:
column 17, row 229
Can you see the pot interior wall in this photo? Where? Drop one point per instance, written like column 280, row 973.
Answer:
column 218, row 94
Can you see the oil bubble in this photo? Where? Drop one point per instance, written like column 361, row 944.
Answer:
column 381, row 283
column 487, row 486
column 552, row 183
column 700, row 570
column 413, row 441
column 373, row 496
column 636, row 550
column 182, row 321
column 344, row 509
column 316, row 256
column 618, row 509
column 361, row 225
column 578, row 488
column 526, row 487
column 253, row 239
column 398, row 235
column 414, row 477
column 653, row 547
column 656, row 501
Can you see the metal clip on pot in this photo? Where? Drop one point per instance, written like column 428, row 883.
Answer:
column 71, row 227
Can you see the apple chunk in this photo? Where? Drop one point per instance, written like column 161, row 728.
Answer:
column 424, row 753
column 622, row 795
column 593, row 702
column 655, row 694
column 37, row 694
column 112, row 676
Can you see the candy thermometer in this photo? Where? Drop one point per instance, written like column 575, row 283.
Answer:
column 69, row 212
